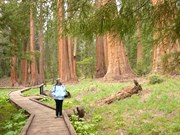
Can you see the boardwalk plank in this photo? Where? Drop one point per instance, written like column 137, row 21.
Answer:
column 44, row 122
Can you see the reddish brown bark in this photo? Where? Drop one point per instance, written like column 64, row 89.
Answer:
column 14, row 81
column 100, row 57
column 101, row 61
column 61, row 43
column 13, row 71
column 65, row 61
column 74, row 56
column 126, row 71
column 118, row 64
column 105, row 51
column 125, row 93
column 32, row 50
column 73, row 76
column 162, row 42
column 24, row 65
column 41, row 59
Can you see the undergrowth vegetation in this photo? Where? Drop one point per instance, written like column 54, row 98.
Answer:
column 12, row 120
column 155, row 111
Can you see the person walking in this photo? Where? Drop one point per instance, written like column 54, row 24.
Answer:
column 58, row 92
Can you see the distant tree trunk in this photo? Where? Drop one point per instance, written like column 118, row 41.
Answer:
column 24, row 65
column 74, row 56
column 73, row 76
column 32, row 49
column 41, row 59
column 13, row 71
column 100, row 57
column 72, row 61
column 14, row 81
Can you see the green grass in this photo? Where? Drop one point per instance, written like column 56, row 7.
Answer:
column 156, row 112
column 32, row 92
column 12, row 120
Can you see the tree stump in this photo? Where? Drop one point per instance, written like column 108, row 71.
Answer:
column 127, row 92
column 78, row 111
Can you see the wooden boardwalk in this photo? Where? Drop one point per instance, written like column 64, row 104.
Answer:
column 43, row 121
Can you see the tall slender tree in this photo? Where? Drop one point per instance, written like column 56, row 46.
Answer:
column 41, row 47
column 33, row 65
column 13, row 65
column 24, row 64
column 62, row 46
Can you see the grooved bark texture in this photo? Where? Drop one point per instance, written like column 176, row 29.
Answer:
column 32, row 50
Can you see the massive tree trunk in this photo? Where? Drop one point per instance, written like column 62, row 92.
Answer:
column 100, row 57
column 163, row 43
column 32, row 50
column 41, row 59
column 118, row 64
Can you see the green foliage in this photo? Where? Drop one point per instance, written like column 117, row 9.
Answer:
column 141, row 69
column 14, row 125
column 171, row 63
column 86, row 58
column 33, row 91
column 82, row 127
column 45, row 99
column 11, row 119
column 157, row 108
column 153, row 79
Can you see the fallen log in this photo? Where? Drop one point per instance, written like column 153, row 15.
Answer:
column 127, row 92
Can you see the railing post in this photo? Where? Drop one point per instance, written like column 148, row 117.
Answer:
column 41, row 89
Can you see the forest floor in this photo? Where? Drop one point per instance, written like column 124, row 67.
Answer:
column 5, row 82
column 155, row 111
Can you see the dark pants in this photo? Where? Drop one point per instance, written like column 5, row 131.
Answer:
column 58, row 107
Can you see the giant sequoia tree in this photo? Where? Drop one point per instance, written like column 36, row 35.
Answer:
column 65, row 61
column 119, row 28
column 118, row 64
column 164, row 35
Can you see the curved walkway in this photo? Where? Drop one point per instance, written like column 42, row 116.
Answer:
column 44, row 121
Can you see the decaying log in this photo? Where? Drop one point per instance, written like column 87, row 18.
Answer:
column 127, row 92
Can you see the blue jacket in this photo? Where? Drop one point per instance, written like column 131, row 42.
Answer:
column 58, row 92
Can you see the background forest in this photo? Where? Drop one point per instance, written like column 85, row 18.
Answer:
column 71, row 39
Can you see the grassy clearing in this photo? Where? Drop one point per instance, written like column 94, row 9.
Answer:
column 156, row 111
column 32, row 92
column 12, row 120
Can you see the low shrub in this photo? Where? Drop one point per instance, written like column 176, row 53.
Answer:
column 153, row 79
